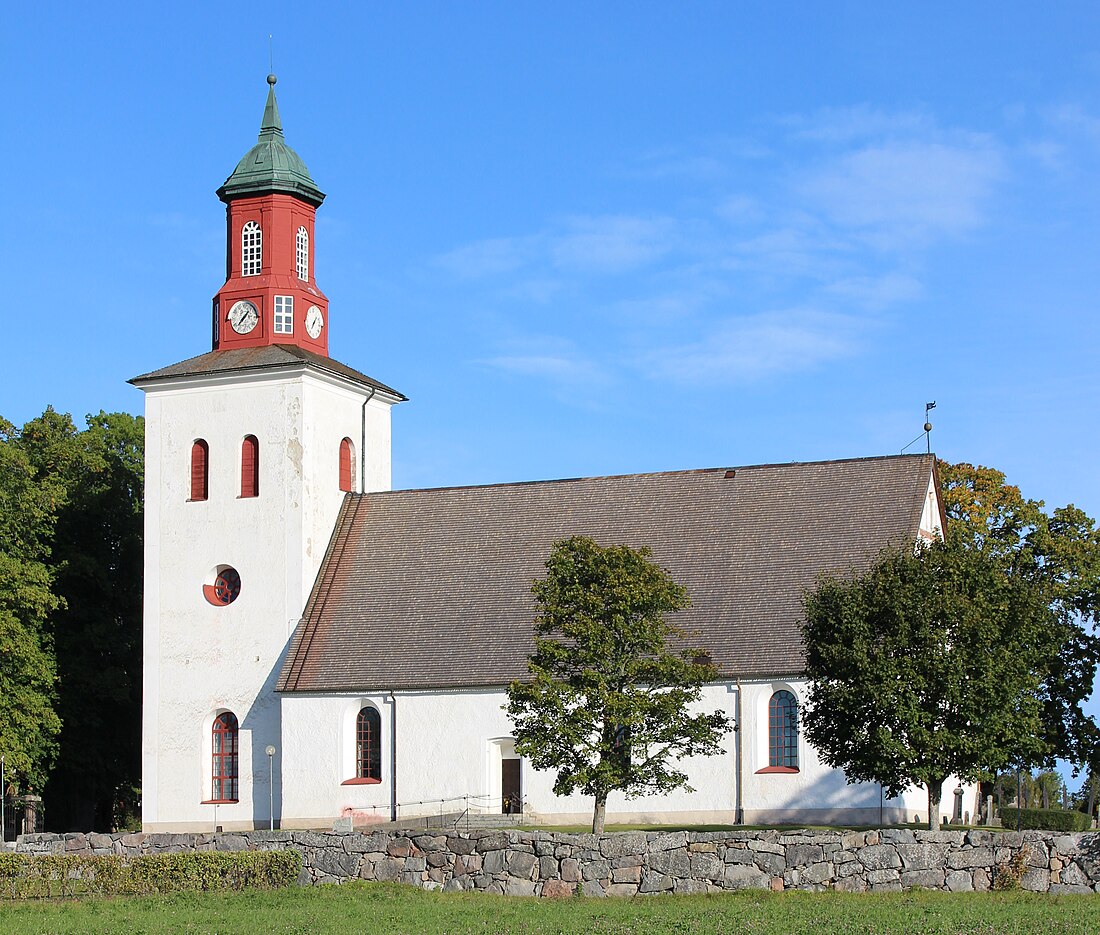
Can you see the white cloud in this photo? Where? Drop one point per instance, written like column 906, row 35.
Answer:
column 613, row 244
column 752, row 347
column 488, row 257
column 898, row 194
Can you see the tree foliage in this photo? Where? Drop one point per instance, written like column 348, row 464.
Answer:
column 928, row 665
column 70, row 611
column 1059, row 554
column 608, row 705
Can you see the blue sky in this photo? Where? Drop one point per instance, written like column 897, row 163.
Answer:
column 591, row 238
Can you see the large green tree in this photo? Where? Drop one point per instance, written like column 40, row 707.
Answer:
column 28, row 673
column 609, row 702
column 930, row 664
column 1058, row 552
column 70, row 612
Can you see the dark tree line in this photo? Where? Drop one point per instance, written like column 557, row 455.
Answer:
column 70, row 615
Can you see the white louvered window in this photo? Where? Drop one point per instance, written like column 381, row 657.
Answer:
column 252, row 250
column 284, row 314
column 301, row 253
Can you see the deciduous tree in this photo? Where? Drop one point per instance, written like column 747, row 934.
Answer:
column 610, row 698
column 928, row 665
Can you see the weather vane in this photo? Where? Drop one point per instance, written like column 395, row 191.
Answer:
column 927, row 433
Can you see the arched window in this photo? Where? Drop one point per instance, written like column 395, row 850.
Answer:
column 223, row 737
column 252, row 249
column 783, row 730
column 250, row 467
column 301, row 253
column 200, row 469
column 368, row 745
column 347, row 465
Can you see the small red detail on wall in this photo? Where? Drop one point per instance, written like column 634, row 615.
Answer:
column 225, row 588
column 200, row 453
column 250, row 467
column 777, row 769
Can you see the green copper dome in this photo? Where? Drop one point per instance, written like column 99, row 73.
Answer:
column 271, row 165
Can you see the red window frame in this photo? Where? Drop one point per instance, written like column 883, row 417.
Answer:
column 225, row 763
column 345, row 465
column 200, row 469
column 250, row 466
column 368, row 744
column 783, row 731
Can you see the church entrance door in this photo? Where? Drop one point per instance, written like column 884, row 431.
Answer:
column 511, row 796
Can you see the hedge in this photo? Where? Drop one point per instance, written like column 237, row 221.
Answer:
column 41, row 876
column 1045, row 819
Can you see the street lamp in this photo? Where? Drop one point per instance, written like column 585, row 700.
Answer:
column 270, row 751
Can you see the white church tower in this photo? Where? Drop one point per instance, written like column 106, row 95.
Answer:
column 249, row 451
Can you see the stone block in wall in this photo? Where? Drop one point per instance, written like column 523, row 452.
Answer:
column 853, row 884
column 676, row 863
column 1036, row 879
column 960, row 881
column 706, row 866
column 389, row 869
column 556, row 889
column 767, row 847
column 592, row 888
column 922, row 856
column 667, row 841
column 690, row 887
column 491, row 841
column 571, row 870
column 849, row 869
column 413, row 877
column 818, row 873
column 416, row 863
column 970, row 857
column 309, row 838
column 492, row 862
column 439, row 859
column 619, row 845
column 231, row 842
column 979, row 838
column 522, row 864
column 802, row 855
column 622, row 889
column 877, row 856
column 927, row 877
column 1060, row 889
column 598, row 869
column 940, row 837
column 1073, row 874
column 982, row 880
column 739, row 877
column 626, row 875
column 883, row 875
column 654, row 881
column 897, row 836
column 336, row 862
column 1066, row 844
column 544, row 848
column 460, row 844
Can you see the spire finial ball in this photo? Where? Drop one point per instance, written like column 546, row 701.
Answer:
column 271, row 79
column 928, row 426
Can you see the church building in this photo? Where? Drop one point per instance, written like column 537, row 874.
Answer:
column 318, row 646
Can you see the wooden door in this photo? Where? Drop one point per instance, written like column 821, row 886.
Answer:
column 511, row 796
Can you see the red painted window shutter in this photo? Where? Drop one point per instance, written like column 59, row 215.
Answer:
column 199, row 470
column 345, row 464
column 250, row 467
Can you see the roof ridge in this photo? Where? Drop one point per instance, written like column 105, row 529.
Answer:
column 677, row 471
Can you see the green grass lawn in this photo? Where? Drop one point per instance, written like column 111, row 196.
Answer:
column 391, row 908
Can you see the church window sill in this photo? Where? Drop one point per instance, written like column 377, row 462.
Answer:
column 219, row 802
column 361, row 781
column 777, row 769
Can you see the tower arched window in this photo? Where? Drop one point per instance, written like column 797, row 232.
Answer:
column 301, row 253
column 225, row 762
column 368, row 744
column 347, row 465
column 250, row 466
column 783, row 730
column 200, row 469
column 252, row 249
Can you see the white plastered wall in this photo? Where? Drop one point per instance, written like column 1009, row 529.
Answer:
column 200, row 659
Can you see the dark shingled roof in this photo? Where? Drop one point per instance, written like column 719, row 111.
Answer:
column 432, row 588
column 260, row 358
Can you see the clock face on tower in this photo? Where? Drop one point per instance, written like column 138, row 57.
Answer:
column 243, row 316
column 315, row 321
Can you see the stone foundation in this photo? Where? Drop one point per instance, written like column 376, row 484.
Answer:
column 527, row 863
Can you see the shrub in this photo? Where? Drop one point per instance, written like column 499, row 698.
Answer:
column 1045, row 819
column 39, row 876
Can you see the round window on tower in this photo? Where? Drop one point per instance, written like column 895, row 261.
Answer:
column 222, row 585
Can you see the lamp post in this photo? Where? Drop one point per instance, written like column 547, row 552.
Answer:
column 270, row 786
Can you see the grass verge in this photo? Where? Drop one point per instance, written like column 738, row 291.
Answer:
column 375, row 907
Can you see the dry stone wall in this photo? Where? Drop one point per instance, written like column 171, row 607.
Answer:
column 628, row 863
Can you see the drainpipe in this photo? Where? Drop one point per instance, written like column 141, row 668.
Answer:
column 363, row 442
column 393, row 757
column 739, row 814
